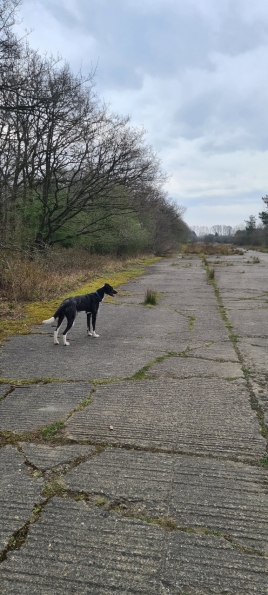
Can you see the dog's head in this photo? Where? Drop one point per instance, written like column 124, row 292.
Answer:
column 109, row 290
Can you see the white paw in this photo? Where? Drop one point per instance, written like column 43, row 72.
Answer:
column 67, row 343
column 56, row 342
column 89, row 334
column 95, row 335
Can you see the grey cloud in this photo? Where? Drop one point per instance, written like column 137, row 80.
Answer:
column 161, row 40
column 238, row 36
column 225, row 119
column 62, row 13
column 157, row 43
column 193, row 72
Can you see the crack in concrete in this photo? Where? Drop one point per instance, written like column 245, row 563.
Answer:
column 233, row 337
column 10, row 438
column 8, row 392
column 16, row 541
column 120, row 506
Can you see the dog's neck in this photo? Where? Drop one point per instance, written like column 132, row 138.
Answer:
column 100, row 293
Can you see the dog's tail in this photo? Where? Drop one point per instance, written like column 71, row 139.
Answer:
column 49, row 320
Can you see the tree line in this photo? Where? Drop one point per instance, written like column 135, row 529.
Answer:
column 249, row 234
column 255, row 234
column 71, row 171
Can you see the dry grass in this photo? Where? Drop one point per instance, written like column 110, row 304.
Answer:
column 50, row 276
column 211, row 249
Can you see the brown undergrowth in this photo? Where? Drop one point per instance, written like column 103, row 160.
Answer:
column 211, row 249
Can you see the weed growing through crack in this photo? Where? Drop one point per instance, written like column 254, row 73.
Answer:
column 141, row 374
column 211, row 273
column 167, row 523
column 264, row 462
column 100, row 501
column 192, row 320
column 150, row 297
column 50, row 431
column 83, row 404
column 54, row 488
column 246, row 371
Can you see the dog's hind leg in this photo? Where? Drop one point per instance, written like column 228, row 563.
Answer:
column 59, row 323
column 70, row 319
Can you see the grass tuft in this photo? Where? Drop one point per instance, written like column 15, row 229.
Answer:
column 150, row 297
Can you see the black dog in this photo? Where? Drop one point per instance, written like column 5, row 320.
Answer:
column 88, row 303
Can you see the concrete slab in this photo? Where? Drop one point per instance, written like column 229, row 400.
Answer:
column 208, row 325
column 203, row 565
column 208, row 416
column 137, row 478
column 258, row 303
column 118, row 555
column 224, row 497
column 250, row 323
column 242, row 280
column 129, row 336
column 18, row 494
column 254, row 351
column 187, row 367
column 31, row 407
column 218, row 350
column 108, row 555
column 174, row 279
column 47, row 457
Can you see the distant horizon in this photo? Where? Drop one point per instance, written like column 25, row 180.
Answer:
column 204, row 229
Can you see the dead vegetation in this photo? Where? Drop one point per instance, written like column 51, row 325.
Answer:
column 48, row 276
column 211, row 249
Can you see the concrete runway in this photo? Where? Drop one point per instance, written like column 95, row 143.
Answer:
column 137, row 463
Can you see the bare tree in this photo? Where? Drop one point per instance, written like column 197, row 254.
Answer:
column 68, row 166
column 67, row 156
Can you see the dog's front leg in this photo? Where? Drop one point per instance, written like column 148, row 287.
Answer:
column 94, row 318
column 88, row 324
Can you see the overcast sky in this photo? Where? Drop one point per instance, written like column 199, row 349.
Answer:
column 194, row 73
